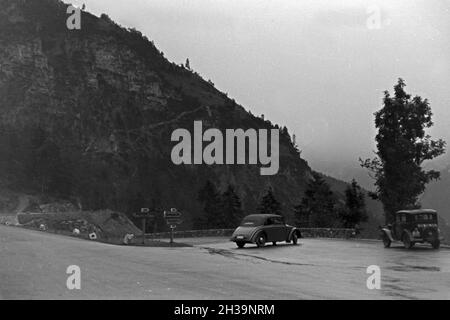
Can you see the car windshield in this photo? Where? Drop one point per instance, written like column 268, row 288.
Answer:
column 252, row 221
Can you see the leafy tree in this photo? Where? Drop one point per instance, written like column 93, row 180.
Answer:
column 210, row 198
column 231, row 208
column 403, row 146
column 269, row 204
column 355, row 206
column 317, row 208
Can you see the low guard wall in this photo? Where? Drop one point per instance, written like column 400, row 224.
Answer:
column 306, row 233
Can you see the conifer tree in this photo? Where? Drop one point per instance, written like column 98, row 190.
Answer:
column 269, row 204
column 210, row 198
column 317, row 208
column 355, row 206
column 231, row 208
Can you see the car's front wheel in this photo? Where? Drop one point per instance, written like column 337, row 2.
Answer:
column 261, row 240
column 294, row 238
column 240, row 244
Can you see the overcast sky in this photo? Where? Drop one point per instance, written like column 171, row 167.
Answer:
column 312, row 65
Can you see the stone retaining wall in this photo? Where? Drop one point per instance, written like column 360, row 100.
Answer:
column 327, row 233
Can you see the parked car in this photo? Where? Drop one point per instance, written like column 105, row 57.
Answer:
column 411, row 227
column 263, row 228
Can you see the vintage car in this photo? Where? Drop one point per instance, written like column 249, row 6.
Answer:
column 263, row 228
column 411, row 227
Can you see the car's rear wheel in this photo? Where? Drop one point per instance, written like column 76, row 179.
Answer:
column 386, row 241
column 240, row 244
column 407, row 243
column 261, row 240
column 436, row 244
column 294, row 238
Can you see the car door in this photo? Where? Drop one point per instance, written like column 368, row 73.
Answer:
column 398, row 226
column 270, row 229
column 279, row 229
column 285, row 230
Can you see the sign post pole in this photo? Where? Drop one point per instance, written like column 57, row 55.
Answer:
column 143, row 230
column 171, row 235
column 173, row 218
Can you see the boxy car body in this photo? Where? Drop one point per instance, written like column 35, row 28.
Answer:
column 263, row 228
column 411, row 227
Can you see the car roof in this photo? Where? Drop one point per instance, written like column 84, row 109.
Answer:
column 417, row 211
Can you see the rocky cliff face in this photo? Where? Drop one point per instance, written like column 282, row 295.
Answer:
column 87, row 115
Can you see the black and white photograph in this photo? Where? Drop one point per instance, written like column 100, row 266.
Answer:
column 223, row 156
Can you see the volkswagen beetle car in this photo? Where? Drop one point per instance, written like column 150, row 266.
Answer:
column 263, row 228
column 411, row 227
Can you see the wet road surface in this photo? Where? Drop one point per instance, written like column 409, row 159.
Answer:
column 33, row 266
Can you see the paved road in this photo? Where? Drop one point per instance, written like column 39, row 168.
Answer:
column 33, row 266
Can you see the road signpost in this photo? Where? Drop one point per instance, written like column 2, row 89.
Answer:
column 173, row 218
column 145, row 215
